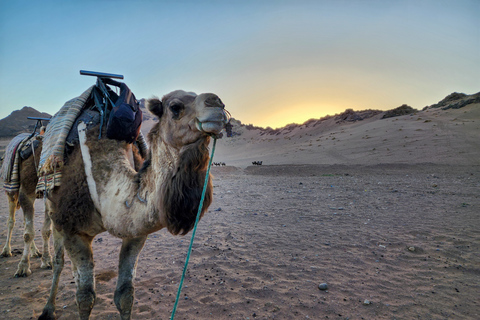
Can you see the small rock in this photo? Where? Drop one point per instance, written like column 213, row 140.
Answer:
column 412, row 249
column 367, row 302
column 219, row 209
column 323, row 286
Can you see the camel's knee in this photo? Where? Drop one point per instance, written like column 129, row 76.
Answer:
column 58, row 262
column 123, row 298
column 12, row 198
column 27, row 237
column 46, row 233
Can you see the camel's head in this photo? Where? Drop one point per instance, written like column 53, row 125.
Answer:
column 186, row 117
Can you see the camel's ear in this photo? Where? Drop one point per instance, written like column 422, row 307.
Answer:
column 155, row 106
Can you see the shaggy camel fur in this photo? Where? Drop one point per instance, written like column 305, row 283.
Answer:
column 25, row 198
column 164, row 193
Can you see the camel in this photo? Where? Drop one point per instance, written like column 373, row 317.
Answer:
column 25, row 198
column 101, row 191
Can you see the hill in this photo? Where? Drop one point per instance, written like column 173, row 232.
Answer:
column 17, row 122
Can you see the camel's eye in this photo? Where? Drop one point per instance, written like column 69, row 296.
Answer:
column 176, row 109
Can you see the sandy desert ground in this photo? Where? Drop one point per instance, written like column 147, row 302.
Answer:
column 385, row 212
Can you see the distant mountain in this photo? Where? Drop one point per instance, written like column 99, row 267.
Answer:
column 17, row 122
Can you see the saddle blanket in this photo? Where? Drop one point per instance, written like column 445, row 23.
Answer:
column 11, row 162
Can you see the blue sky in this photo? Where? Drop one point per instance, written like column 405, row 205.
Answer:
column 271, row 62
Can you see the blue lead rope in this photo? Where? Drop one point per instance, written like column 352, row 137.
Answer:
column 200, row 206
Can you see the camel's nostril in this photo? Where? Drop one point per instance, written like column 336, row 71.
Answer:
column 214, row 101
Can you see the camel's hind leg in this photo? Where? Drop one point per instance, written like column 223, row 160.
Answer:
column 46, row 232
column 27, row 202
column 58, row 263
column 124, row 294
column 13, row 205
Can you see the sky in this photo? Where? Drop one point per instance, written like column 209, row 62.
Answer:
column 271, row 62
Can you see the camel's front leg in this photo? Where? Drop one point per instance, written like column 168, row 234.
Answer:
column 58, row 262
column 79, row 248
column 124, row 294
column 26, row 203
column 12, row 207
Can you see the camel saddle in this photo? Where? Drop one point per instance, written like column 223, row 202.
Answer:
column 61, row 135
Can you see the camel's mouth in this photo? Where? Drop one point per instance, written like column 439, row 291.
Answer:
column 213, row 124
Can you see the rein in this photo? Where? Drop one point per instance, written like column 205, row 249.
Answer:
column 200, row 206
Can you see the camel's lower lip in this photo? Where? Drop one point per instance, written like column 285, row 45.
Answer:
column 211, row 127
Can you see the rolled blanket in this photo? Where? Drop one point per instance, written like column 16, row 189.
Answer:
column 52, row 157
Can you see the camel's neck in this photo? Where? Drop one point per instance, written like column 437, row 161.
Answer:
column 165, row 193
column 182, row 191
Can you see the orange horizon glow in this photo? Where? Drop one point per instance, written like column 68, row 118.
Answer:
column 298, row 114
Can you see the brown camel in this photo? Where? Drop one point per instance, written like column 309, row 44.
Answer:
column 25, row 198
column 101, row 191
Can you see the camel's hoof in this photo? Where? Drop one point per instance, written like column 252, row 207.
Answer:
column 6, row 252
column 23, row 273
column 47, row 315
column 36, row 254
column 46, row 264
